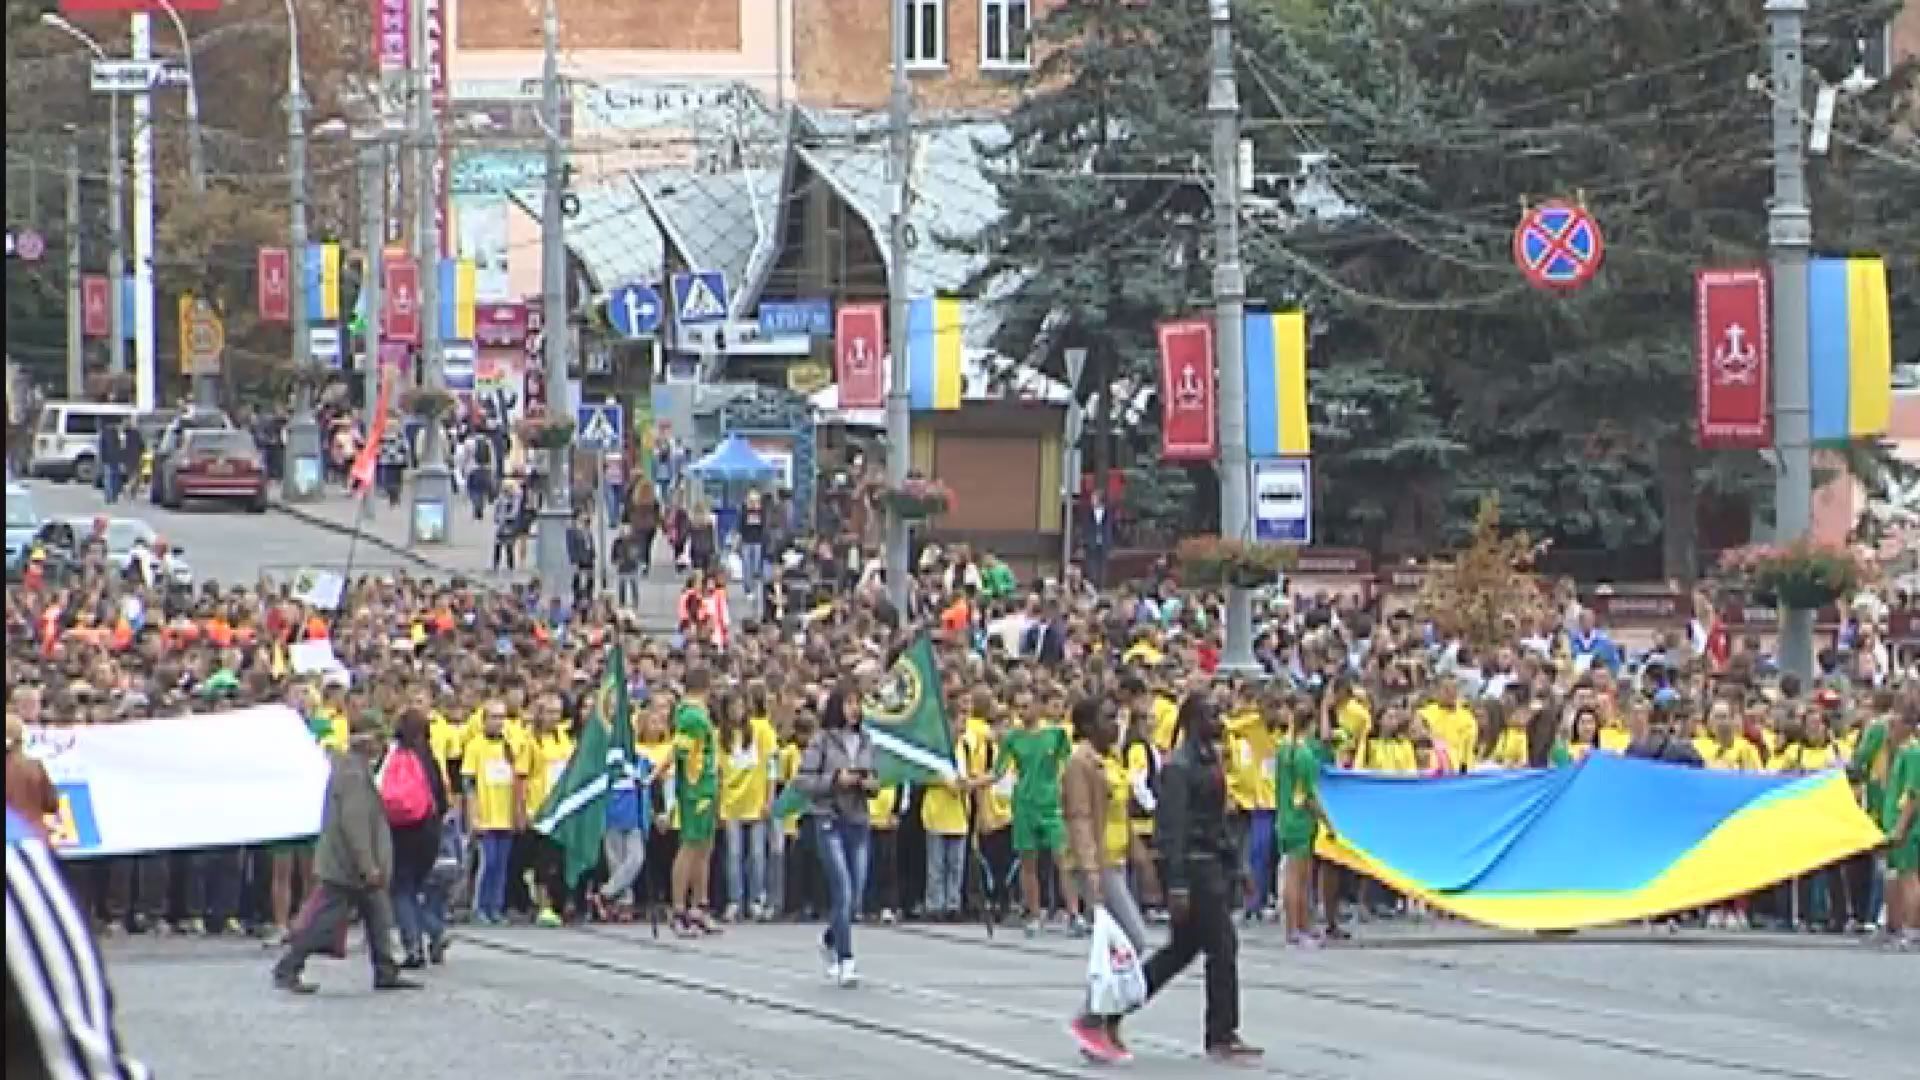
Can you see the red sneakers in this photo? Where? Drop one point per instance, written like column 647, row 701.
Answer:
column 1096, row 1043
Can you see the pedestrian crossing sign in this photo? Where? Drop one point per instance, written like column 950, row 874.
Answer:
column 700, row 298
column 599, row 426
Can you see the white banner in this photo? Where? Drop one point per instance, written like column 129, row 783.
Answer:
column 244, row 777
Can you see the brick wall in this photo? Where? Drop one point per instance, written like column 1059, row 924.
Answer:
column 676, row 25
column 1906, row 32
column 843, row 50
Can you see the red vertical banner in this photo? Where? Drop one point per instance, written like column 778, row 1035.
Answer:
column 1187, row 428
column 859, row 333
column 402, row 302
column 273, row 284
column 96, row 306
column 1733, row 358
column 392, row 41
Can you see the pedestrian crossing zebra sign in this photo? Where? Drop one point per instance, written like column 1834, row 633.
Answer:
column 700, row 298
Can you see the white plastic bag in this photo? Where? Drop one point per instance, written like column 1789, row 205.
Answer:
column 1116, row 983
column 736, row 566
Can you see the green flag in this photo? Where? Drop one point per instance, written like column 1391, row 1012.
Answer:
column 575, row 813
column 907, row 719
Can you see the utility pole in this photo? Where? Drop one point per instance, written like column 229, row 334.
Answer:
column 1789, row 239
column 117, row 245
column 556, row 515
column 899, row 414
column 1229, row 317
column 432, row 482
column 373, row 236
column 76, row 341
column 303, row 434
column 145, row 355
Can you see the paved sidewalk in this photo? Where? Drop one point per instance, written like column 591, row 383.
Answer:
column 468, row 552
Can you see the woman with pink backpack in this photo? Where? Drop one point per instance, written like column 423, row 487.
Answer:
column 415, row 795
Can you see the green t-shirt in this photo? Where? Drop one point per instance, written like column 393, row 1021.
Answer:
column 695, row 750
column 1903, row 784
column 1872, row 742
column 1296, row 777
column 1038, row 754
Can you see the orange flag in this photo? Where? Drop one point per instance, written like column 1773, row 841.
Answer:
column 361, row 479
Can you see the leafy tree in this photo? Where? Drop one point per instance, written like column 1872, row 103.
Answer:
column 1487, row 588
column 1103, row 224
column 1443, row 115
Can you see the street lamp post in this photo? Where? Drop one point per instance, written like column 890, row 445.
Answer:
column 303, row 434
column 557, row 513
column 432, row 482
column 116, row 211
column 196, row 161
column 1229, row 308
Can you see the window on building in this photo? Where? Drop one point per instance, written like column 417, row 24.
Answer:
column 926, row 33
column 1003, row 34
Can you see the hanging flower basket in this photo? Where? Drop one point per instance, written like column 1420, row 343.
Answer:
column 1803, row 576
column 547, row 433
column 1209, row 561
column 427, row 403
column 916, row 499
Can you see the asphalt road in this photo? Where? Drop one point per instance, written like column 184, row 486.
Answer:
column 944, row 1002
column 223, row 542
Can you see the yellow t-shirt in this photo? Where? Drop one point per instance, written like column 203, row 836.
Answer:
column 1139, row 765
column 547, row 756
column 1143, row 652
column 1166, row 713
column 1116, row 837
column 1457, row 728
column 1801, row 758
column 883, row 808
column 746, row 773
column 789, row 764
column 491, row 765
column 1354, row 719
column 1249, row 761
column 943, row 810
column 1393, row 755
column 443, row 738
column 336, row 736
column 1510, row 750
column 1615, row 739
column 1739, row 755
column 977, row 757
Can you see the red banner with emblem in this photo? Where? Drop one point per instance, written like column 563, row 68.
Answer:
column 96, row 306
column 273, row 284
column 859, row 350
column 1733, row 358
column 1187, row 428
column 401, row 308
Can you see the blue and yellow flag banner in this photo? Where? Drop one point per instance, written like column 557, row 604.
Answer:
column 934, row 330
column 1849, row 348
column 457, row 286
column 323, row 282
column 1607, row 840
column 1275, row 346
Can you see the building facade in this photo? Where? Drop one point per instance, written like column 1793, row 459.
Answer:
column 962, row 54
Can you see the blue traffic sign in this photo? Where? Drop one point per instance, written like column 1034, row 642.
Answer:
column 1283, row 500
column 599, row 426
column 634, row 309
column 700, row 298
column 812, row 317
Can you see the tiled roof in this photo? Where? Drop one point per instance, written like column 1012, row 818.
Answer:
column 613, row 235
column 715, row 220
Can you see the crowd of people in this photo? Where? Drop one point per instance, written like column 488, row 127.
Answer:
column 1070, row 707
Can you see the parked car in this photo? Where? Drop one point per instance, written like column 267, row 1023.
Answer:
column 131, row 539
column 215, row 464
column 23, row 523
column 167, row 447
column 66, row 439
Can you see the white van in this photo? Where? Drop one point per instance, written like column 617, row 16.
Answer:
column 66, row 441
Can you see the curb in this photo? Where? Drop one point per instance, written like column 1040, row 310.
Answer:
column 321, row 521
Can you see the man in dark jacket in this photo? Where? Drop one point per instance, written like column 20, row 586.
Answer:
column 1201, row 856
column 1663, row 740
column 353, row 863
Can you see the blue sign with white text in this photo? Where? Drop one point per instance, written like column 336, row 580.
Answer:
column 812, row 317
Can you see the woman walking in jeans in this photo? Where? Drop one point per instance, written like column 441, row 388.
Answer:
column 837, row 774
column 419, row 906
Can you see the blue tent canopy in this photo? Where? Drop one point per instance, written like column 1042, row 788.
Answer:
column 735, row 461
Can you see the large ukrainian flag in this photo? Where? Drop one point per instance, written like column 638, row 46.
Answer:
column 458, row 282
column 1275, row 346
column 1850, row 348
column 934, row 325
column 1608, row 840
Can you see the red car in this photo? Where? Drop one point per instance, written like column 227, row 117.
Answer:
column 218, row 464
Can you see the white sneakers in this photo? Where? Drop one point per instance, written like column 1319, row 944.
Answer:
column 839, row 972
column 849, row 973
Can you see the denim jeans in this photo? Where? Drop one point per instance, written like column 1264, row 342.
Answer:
column 419, row 906
column 746, row 850
column 490, row 894
column 753, row 559
column 213, row 885
column 843, row 860
column 1259, row 859
column 776, row 870
column 112, row 478
column 946, row 870
column 629, row 587
column 626, row 852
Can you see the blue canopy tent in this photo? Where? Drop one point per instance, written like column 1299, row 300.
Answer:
column 732, row 466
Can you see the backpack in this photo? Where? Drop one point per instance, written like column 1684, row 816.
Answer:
column 404, row 790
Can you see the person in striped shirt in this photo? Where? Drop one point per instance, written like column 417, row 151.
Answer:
column 59, row 1009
